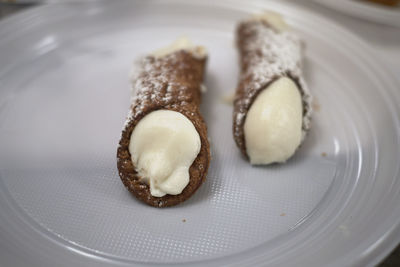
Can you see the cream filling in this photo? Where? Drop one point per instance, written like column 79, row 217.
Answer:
column 274, row 19
column 273, row 124
column 163, row 146
column 181, row 43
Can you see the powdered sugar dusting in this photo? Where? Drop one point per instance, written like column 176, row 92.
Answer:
column 267, row 54
column 158, row 81
column 171, row 82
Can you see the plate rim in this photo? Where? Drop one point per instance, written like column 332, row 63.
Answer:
column 366, row 11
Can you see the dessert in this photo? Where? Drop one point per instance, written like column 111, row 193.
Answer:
column 164, row 154
column 272, row 106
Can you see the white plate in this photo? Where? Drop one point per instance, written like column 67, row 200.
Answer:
column 369, row 11
column 64, row 94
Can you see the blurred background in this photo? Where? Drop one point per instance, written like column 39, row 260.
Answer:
column 376, row 22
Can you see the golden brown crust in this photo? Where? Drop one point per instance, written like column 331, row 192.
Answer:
column 172, row 83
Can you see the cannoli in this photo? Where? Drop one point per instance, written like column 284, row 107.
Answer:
column 164, row 154
column 272, row 106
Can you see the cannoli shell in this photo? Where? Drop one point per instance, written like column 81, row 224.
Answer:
column 266, row 54
column 172, row 83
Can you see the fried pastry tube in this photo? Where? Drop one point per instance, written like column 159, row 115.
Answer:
column 164, row 154
column 272, row 106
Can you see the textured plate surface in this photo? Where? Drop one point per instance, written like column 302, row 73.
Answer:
column 64, row 94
